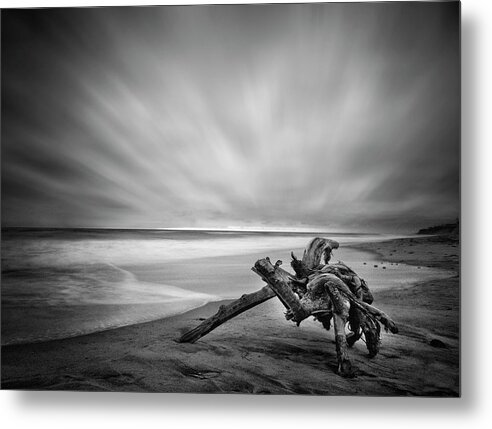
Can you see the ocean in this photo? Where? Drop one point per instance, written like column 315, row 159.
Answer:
column 59, row 283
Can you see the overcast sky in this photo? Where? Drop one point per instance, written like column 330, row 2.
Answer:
column 334, row 116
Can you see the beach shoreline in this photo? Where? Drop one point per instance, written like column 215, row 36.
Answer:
column 260, row 352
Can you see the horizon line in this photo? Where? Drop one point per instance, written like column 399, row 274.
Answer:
column 242, row 229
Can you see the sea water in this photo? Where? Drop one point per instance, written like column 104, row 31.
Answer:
column 59, row 283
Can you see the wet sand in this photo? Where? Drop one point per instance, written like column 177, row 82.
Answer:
column 260, row 352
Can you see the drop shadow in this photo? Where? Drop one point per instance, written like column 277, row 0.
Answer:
column 394, row 407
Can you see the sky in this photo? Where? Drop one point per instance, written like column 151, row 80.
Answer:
column 340, row 117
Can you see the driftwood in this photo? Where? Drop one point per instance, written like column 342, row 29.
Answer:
column 311, row 258
column 227, row 312
column 326, row 291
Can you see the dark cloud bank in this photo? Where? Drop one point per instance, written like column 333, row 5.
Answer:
column 335, row 116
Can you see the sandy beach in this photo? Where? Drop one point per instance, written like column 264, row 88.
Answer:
column 260, row 352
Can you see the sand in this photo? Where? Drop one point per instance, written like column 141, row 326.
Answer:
column 259, row 352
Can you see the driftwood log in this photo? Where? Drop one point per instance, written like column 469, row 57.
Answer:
column 327, row 291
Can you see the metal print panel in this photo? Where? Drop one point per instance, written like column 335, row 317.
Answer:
column 257, row 199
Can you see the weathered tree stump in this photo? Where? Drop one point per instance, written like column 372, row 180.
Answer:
column 325, row 291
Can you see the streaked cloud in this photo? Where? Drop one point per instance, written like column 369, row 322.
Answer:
column 340, row 116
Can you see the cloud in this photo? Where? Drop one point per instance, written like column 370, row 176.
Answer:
column 330, row 115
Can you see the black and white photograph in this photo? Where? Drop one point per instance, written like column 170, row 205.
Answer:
column 232, row 199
